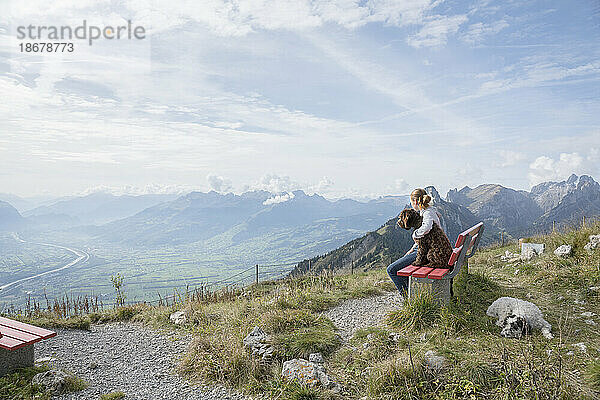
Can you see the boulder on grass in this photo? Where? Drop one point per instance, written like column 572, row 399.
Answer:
column 55, row 381
column 593, row 244
column 178, row 318
column 259, row 343
column 308, row 373
column 564, row 250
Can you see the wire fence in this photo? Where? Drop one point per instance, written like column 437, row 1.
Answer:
column 197, row 288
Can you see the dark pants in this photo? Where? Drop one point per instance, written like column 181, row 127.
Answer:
column 401, row 282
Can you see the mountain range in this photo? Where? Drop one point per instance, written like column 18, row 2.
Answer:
column 513, row 212
column 298, row 224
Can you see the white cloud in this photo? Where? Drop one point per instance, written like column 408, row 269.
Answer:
column 477, row 32
column 508, row 158
column 218, row 183
column 323, row 184
column 280, row 198
column 275, row 184
column 436, row 30
column 545, row 168
column 401, row 185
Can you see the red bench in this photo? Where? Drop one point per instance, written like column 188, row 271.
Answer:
column 440, row 279
column 16, row 344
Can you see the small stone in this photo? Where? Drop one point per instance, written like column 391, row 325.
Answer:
column 433, row 362
column 564, row 250
column 587, row 314
column 593, row 243
column 178, row 318
column 92, row 365
column 528, row 254
column 594, row 288
column 54, row 381
column 316, row 358
column 590, row 322
column 302, row 370
column 570, row 353
column 581, row 346
column 394, row 337
column 44, row 360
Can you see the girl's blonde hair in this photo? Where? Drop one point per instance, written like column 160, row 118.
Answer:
column 421, row 198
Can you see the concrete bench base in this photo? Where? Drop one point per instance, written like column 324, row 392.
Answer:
column 439, row 287
column 13, row 359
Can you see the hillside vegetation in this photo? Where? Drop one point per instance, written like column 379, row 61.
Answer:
column 481, row 364
column 386, row 362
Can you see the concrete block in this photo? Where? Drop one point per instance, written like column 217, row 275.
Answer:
column 537, row 247
column 12, row 359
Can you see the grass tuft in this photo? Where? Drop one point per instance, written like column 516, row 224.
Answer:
column 417, row 313
column 113, row 396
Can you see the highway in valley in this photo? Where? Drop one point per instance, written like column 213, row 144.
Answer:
column 81, row 257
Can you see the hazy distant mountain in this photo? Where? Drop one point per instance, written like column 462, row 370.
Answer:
column 23, row 204
column 200, row 216
column 190, row 218
column 10, row 219
column 506, row 209
column 98, row 208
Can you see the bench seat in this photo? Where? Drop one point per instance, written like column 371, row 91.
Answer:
column 15, row 334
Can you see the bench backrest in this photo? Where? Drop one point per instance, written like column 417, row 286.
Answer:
column 466, row 244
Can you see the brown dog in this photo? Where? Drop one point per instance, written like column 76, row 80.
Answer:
column 434, row 248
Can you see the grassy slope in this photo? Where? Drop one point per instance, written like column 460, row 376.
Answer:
column 481, row 364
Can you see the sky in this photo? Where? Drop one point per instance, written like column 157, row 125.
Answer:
column 345, row 98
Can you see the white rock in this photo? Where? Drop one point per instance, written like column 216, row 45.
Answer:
column 45, row 360
column 54, row 381
column 259, row 343
column 590, row 322
column 587, row 314
column 316, row 358
column 527, row 254
column 564, row 250
column 307, row 373
column 594, row 288
column 581, row 346
column 593, row 243
column 178, row 317
column 433, row 362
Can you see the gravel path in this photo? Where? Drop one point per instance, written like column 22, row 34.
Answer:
column 355, row 314
column 125, row 357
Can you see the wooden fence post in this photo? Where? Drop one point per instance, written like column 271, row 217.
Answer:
column 257, row 274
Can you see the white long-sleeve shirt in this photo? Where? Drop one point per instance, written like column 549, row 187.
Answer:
column 430, row 216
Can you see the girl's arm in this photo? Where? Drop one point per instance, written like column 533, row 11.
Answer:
column 425, row 226
column 413, row 248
